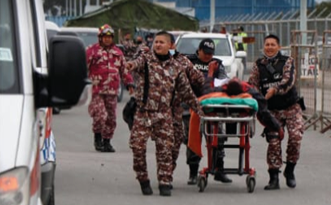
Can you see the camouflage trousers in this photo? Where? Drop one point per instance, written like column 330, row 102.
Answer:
column 293, row 120
column 102, row 109
column 178, row 140
column 159, row 127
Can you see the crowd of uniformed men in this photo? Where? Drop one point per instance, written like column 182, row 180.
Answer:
column 161, row 80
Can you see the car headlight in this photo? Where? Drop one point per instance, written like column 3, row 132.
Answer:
column 14, row 186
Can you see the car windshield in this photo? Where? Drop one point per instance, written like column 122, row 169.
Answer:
column 88, row 37
column 188, row 45
column 9, row 77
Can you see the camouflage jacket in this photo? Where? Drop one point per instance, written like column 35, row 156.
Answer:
column 165, row 78
column 196, row 79
column 106, row 68
column 140, row 49
column 129, row 49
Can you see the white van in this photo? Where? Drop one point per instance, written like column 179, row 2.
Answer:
column 34, row 76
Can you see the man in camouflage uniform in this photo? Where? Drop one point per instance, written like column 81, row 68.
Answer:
column 274, row 76
column 196, row 79
column 139, row 40
column 129, row 46
column 154, row 113
column 106, row 65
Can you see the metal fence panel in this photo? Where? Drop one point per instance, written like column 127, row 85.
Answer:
column 304, row 50
column 326, row 83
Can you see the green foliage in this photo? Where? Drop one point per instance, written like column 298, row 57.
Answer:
column 321, row 6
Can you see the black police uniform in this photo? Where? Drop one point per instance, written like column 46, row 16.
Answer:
column 192, row 159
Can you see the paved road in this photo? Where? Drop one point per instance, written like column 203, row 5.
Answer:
column 87, row 177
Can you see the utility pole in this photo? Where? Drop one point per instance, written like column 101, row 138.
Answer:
column 212, row 14
column 67, row 8
column 303, row 19
column 80, row 7
column 70, row 8
column 75, row 7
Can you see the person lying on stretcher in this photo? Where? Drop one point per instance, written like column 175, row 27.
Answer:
column 235, row 87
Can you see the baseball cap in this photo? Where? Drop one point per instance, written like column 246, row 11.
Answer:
column 207, row 45
column 172, row 38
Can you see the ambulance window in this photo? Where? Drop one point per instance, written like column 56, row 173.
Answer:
column 9, row 77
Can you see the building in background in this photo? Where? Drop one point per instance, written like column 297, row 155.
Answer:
column 61, row 10
column 238, row 7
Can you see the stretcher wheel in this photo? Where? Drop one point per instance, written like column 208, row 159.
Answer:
column 250, row 182
column 202, row 183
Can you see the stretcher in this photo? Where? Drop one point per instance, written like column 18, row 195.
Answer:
column 219, row 113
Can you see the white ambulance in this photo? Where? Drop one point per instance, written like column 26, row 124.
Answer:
column 34, row 77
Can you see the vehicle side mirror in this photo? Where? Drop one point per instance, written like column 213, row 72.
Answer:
column 67, row 70
column 241, row 54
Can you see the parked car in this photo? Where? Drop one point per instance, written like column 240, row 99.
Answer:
column 176, row 34
column 89, row 36
column 35, row 76
column 188, row 43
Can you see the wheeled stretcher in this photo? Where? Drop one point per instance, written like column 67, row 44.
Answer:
column 224, row 118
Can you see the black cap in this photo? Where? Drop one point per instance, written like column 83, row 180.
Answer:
column 207, row 45
column 172, row 38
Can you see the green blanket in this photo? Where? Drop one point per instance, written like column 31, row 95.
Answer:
column 235, row 101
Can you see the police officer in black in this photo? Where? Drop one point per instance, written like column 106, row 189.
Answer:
column 203, row 60
column 274, row 76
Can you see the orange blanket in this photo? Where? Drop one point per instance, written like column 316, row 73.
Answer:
column 194, row 139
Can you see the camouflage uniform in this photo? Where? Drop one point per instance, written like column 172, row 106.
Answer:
column 154, row 118
column 292, row 118
column 129, row 49
column 196, row 78
column 283, row 105
column 106, row 65
column 140, row 49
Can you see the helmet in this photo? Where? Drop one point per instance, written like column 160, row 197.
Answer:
column 106, row 30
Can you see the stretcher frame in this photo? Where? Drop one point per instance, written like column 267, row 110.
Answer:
column 244, row 116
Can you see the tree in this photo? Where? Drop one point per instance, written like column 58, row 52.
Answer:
column 321, row 6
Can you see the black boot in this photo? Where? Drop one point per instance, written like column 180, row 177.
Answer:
column 98, row 142
column 165, row 190
column 289, row 174
column 274, row 181
column 146, row 188
column 193, row 174
column 220, row 175
column 107, row 147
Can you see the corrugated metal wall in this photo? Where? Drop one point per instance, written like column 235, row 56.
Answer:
column 226, row 7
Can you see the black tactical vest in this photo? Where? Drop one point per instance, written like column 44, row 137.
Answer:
column 271, row 75
column 203, row 67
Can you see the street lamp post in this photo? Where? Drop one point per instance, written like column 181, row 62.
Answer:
column 212, row 14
